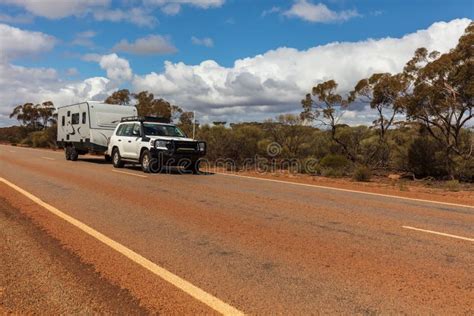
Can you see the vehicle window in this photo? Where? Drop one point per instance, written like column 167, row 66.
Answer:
column 136, row 130
column 63, row 120
column 120, row 130
column 128, row 130
column 162, row 130
column 83, row 117
column 75, row 119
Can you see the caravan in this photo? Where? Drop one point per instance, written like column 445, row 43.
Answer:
column 87, row 127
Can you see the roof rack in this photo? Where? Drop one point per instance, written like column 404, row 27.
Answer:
column 157, row 119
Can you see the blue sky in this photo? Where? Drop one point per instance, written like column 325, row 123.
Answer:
column 193, row 31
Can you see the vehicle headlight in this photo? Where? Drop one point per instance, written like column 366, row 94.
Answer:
column 161, row 143
column 202, row 146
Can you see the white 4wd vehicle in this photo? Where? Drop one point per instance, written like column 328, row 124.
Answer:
column 153, row 143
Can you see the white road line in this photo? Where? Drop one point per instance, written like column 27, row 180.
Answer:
column 345, row 190
column 439, row 233
column 130, row 174
column 48, row 158
column 175, row 280
column 12, row 151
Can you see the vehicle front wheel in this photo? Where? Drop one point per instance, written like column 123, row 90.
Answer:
column 193, row 167
column 117, row 159
column 149, row 163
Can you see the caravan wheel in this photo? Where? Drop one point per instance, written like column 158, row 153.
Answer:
column 74, row 154
column 67, row 152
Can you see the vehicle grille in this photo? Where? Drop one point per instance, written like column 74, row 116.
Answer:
column 185, row 147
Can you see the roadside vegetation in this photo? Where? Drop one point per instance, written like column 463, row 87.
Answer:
column 423, row 126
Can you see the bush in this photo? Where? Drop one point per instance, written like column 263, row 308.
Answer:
column 425, row 158
column 362, row 174
column 334, row 162
column 465, row 170
column 309, row 166
column 45, row 138
column 452, row 185
column 334, row 165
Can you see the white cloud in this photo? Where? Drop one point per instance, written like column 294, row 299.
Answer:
column 84, row 38
column 99, row 9
column 205, row 41
column 16, row 19
column 57, row 9
column 137, row 16
column 149, row 45
column 21, row 84
column 91, row 57
column 271, row 11
column 276, row 81
column 15, row 42
column 118, row 69
column 173, row 7
column 311, row 12
column 72, row 72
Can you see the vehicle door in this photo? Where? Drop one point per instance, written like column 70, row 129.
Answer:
column 118, row 138
column 132, row 142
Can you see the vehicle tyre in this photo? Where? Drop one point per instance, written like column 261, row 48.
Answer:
column 117, row 159
column 149, row 163
column 67, row 152
column 74, row 154
column 194, row 167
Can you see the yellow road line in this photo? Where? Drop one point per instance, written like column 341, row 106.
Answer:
column 48, row 158
column 130, row 174
column 439, row 233
column 346, row 190
column 197, row 293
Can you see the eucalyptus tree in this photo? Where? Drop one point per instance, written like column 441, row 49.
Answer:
column 327, row 109
column 442, row 94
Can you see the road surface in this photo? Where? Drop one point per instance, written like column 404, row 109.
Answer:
column 215, row 243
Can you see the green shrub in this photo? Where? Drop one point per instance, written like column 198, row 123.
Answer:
column 362, row 174
column 334, row 162
column 425, row 158
column 465, row 170
column 309, row 166
column 334, row 165
column 45, row 138
column 452, row 185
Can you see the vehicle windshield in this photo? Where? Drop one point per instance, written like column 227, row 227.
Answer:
column 162, row 130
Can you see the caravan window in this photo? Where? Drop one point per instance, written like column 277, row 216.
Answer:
column 83, row 117
column 63, row 120
column 75, row 119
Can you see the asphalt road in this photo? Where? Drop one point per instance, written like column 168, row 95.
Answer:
column 261, row 247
